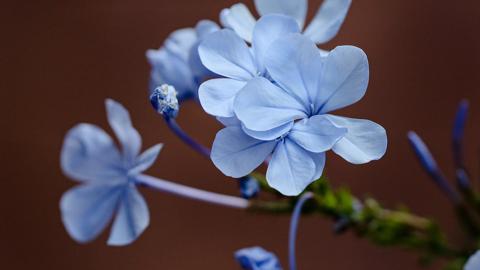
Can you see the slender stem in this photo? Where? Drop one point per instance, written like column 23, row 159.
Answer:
column 172, row 124
column 297, row 211
column 192, row 193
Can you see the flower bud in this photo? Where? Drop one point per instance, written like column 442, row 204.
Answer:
column 164, row 101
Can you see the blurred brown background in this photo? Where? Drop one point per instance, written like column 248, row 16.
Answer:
column 60, row 59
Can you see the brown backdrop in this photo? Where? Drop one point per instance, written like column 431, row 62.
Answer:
column 61, row 59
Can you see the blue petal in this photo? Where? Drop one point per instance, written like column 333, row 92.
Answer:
column 262, row 106
column 327, row 20
column 267, row 30
column 296, row 9
column 239, row 19
column 271, row 134
column 257, row 258
column 119, row 120
column 365, row 140
column 291, row 168
column 146, row 159
column 316, row 134
column 131, row 220
column 229, row 121
column 474, row 262
column 217, row 96
column 319, row 160
column 344, row 79
column 87, row 209
column 180, row 42
column 203, row 28
column 226, row 54
column 89, row 154
column 236, row 154
column 295, row 63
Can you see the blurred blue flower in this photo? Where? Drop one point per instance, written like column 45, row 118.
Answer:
column 323, row 28
column 107, row 177
column 256, row 258
column 177, row 62
column 474, row 262
column 164, row 101
column 288, row 116
column 249, row 187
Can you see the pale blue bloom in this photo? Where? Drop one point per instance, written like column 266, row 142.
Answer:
column 323, row 28
column 287, row 116
column 474, row 262
column 177, row 62
column 226, row 54
column 108, row 180
column 257, row 258
column 164, row 101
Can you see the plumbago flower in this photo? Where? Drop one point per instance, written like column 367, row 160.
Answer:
column 474, row 262
column 108, row 180
column 285, row 113
column 177, row 62
column 323, row 28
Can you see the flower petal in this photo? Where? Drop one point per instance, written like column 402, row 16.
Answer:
column 131, row 220
column 87, row 209
column 261, row 106
column 296, row 9
column 267, row 30
column 239, row 18
column 271, row 134
column 319, row 160
column 257, row 258
column 180, row 41
column 327, row 20
column 119, row 120
column 229, row 121
column 291, row 168
column 316, row 134
column 203, row 28
column 295, row 63
column 236, row 154
column 344, row 79
column 89, row 154
column 217, row 96
column 146, row 159
column 226, row 54
column 365, row 140
column 474, row 262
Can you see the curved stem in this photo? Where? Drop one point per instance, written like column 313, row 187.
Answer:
column 297, row 211
column 172, row 124
column 192, row 193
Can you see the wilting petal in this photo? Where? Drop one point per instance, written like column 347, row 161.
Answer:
column 257, row 258
column 295, row 63
column 131, row 220
column 236, row 154
column 226, row 54
column 474, row 262
column 89, row 154
column 87, row 209
column 261, row 106
column 291, row 168
column 327, row 21
column 217, row 96
column 365, row 140
column 344, row 79
column 269, row 29
column 239, row 19
column 119, row 120
column 146, row 159
column 271, row 134
column 319, row 160
column 296, row 9
column 316, row 134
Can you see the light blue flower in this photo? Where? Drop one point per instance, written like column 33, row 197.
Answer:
column 287, row 116
column 226, row 54
column 257, row 258
column 177, row 62
column 474, row 262
column 323, row 28
column 107, row 176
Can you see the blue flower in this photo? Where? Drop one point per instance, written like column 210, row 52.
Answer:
column 177, row 63
column 226, row 54
column 474, row 262
column 323, row 28
column 287, row 116
column 249, row 187
column 256, row 258
column 107, row 176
